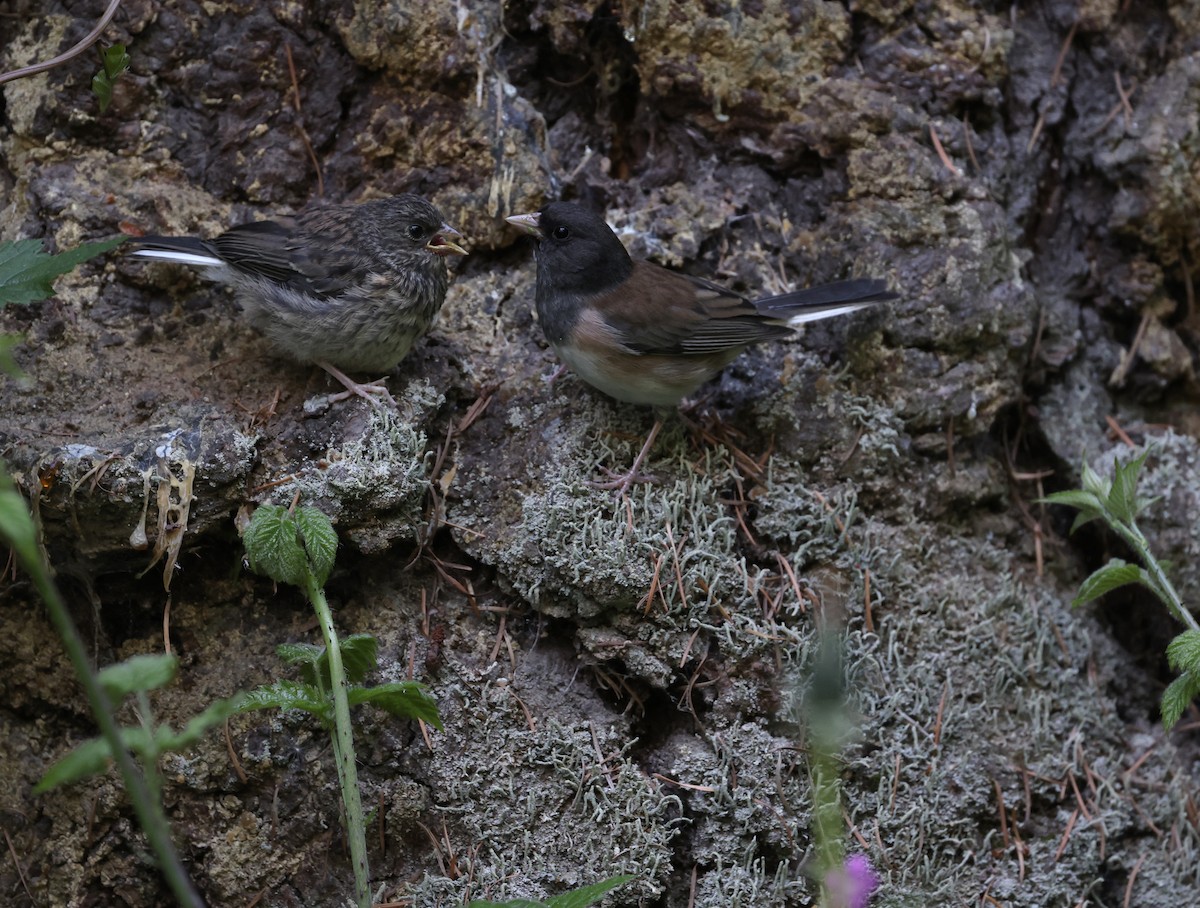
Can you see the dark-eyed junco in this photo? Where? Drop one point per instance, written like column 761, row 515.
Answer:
column 643, row 334
column 346, row 287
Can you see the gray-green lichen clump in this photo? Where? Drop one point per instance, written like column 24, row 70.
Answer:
column 621, row 678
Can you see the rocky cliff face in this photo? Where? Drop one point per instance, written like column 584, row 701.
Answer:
column 621, row 679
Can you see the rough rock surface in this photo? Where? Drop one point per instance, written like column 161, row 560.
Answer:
column 623, row 682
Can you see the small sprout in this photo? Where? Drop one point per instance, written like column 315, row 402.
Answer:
column 113, row 62
column 576, row 898
column 149, row 741
column 1116, row 502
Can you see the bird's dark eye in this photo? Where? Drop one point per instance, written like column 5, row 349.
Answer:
column 416, row 231
column 561, row 233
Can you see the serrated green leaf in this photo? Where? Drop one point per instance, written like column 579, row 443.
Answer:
column 403, row 699
column 288, row 695
column 1093, row 482
column 586, row 895
column 1122, row 497
column 1114, row 574
column 1089, row 506
column 1083, row 518
column 1183, row 653
column 307, row 656
column 1178, row 696
column 358, row 656
column 319, row 539
column 113, row 62
column 273, row 546
column 299, row 653
column 216, row 713
column 148, row 671
column 1076, row 498
column 27, row 273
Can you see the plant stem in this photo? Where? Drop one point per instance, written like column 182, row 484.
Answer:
column 1162, row 583
column 343, row 745
column 148, row 809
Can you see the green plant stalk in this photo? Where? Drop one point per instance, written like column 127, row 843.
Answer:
column 1163, row 587
column 149, row 812
column 828, row 826
column 343, row 745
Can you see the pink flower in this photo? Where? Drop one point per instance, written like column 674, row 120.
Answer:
column 851, row 885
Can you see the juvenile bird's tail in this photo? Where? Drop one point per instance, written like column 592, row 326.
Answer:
column 825, row 301
column 187, row 250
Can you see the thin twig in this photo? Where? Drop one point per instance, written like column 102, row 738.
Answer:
column 300, row 121
column 92, row 37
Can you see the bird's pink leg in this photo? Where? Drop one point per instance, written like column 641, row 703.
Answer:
column 620, row 484
column 374, row 392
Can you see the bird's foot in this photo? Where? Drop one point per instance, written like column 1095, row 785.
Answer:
column 621, row 482
column 373, row 392
column 555, row 375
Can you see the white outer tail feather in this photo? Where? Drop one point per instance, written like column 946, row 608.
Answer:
column 818, row 314
column 184, row 258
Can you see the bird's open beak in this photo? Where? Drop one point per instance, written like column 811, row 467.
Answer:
column 526, row 223
column 442, row 245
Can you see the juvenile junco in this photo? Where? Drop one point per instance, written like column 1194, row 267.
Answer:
column 643, row 334
column 349, row 287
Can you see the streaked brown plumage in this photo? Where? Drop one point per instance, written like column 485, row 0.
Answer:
column 345, row 287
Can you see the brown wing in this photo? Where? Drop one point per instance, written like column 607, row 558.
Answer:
column 314, row 253
column 660, row 311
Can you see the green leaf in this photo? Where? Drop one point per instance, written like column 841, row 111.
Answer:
column 1178, row 695
column 586, row 895
column 1076, row 498
column 1122, row 498
column 319, row 539
column 93, row 757
column 403, row 699
column 288, row 695
column 113, row 62
column 358, row 656
column 1083, row 518
column 148, row 671
column 1093, row 482
column 273, row 546
column 576, row 898
column 216, row 713
column 1090, row 507
column 17, row 529
column 1114, row 574
column 301, row 654
column 308, row 657
column 27, row 273
column 288, row 547
column 1183, row 653
column 8, row 365
column 88, row 759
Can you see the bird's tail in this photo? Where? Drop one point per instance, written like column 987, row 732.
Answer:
column 186, row 250
column 825, row 301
